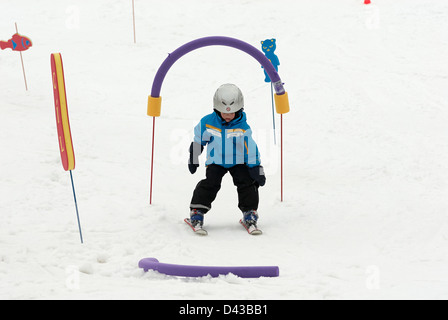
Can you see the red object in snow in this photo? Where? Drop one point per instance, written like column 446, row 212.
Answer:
column 16, row 43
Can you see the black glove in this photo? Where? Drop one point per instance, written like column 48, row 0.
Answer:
column 195, row 151
column 257, row 173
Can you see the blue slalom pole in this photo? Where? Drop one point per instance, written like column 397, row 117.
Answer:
column 76, row 206
column 273, row 116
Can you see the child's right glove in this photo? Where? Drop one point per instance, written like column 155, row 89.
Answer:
column 257, row 173
column 195, row 151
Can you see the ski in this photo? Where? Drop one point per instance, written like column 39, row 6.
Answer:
column 252, row 230
column 198, row 230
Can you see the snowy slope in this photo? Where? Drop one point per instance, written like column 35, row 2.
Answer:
column 364, row 214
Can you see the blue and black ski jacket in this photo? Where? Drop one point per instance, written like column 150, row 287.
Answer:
column 228, row 143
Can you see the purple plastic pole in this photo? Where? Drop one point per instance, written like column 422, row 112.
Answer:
column 201, row 271
column 210, row 41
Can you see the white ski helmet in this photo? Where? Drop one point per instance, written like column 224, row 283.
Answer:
column 228, row 98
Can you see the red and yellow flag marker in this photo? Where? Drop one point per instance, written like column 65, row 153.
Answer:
column 62, row 122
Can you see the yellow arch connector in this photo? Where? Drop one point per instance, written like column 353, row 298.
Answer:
column 281, row 103
column 155, row 105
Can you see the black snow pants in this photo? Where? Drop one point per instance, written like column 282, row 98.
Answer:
column 206, row 190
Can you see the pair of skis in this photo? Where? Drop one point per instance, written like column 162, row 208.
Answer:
column 252, row 230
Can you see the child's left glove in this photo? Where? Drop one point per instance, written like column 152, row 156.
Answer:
column 195, row 151
column 257, row 173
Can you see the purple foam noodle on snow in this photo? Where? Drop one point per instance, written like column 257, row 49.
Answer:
column 201, row 271
column 210, row 41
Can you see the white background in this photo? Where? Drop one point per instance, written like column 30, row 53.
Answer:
column 365, row 204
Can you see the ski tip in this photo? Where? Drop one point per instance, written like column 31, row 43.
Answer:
column 201, row 232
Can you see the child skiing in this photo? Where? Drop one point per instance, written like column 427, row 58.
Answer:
column 230, row 148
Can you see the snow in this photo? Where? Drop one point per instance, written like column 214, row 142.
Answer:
column 364, row 214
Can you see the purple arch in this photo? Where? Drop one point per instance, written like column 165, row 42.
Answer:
column 210, row 41
column 201, row 271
